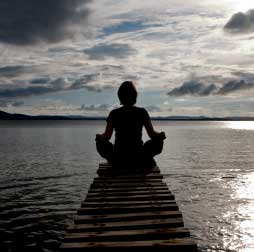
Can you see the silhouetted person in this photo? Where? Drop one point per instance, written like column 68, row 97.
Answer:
column 128, row 151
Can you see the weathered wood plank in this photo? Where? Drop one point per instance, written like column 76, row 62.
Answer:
column 172, row 245
column 126, row 209
column 130, row 235
column 107, row 171
column 122, row 185
column 129, row 189
column 104, row 170
column 132, row 181
column 132, row 197
column 133, row 176
column 106, row 166
column 126, row 203
column 127, row 217
column 130, row 225
column 126, row 193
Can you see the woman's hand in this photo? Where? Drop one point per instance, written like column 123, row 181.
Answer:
column 162, row 135
column 159, row 135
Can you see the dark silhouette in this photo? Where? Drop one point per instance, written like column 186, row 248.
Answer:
column 128, row 151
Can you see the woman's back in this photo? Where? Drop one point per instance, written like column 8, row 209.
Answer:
column 128, row 122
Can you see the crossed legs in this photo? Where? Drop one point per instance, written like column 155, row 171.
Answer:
column 151, row 148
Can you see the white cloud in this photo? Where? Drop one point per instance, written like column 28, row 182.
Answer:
column 92, row 107
column 164, row 42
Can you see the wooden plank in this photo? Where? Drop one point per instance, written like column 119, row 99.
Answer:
column 130, row 235
column 126, row 209
column 144, row 197
column 126, row 203
column 106, row 166
column 127, row 217
column 134, row 180
column 133, row 176
column 122, row 185
column 172, row 245
column 107, row 170
column 129, row 189
column 126, row 193
column 130, row 225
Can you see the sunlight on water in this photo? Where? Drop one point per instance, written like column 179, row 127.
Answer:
column 240, row 125
column 244, row 195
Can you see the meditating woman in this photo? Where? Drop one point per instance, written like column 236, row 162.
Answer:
column 128, row 151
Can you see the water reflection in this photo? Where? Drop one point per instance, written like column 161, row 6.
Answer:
column 240, row 125
column 244, row 194
column 238, row 236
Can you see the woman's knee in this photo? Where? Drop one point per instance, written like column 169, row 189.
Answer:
column 154, row 146
column 104, row 148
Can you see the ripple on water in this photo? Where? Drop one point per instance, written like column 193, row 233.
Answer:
column 46, row 170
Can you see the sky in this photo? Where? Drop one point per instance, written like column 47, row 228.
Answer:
column 68, row 57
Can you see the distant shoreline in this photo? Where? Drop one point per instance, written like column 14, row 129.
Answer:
column 21, row 117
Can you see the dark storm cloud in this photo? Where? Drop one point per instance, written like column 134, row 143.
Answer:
column 83, row 81
column 45, row 85
column 28, row 91
column 86, row 81
column 18, row 103
column 40, row 80
column 193, row 87
column 11, row 71
column 234, row 86
column 99, row 107
column 53, row 86
column 115, row 50
column 30, row 21
column 241, row 22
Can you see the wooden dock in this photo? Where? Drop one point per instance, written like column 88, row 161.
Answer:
column 128, row 212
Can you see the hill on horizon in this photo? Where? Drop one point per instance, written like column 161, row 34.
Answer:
column 8, row 116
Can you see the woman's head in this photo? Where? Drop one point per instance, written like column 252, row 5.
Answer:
column 127, row 93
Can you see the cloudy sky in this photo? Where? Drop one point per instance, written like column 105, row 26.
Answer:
column 186, row 57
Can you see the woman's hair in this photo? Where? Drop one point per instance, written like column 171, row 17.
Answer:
column 127, row 93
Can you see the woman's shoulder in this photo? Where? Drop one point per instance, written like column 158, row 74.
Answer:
column 141, row 109
column 142, row 113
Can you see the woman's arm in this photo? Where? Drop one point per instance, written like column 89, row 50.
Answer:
column 151, row 132
column 107, row 134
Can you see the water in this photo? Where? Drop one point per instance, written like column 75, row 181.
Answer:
column 47, row 166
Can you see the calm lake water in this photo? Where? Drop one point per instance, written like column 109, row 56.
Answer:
column 46, row 168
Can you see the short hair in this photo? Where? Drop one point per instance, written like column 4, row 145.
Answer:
column 127, row 93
